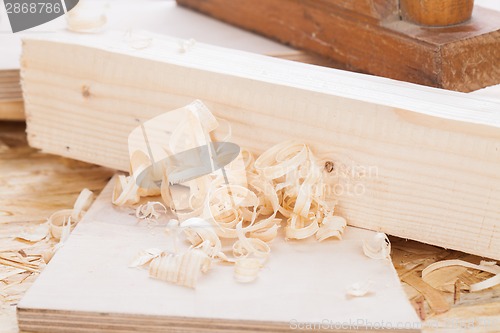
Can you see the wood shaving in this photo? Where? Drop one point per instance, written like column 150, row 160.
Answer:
column 488, row 267
column 82, row 203
column 242, row 203
column 332, row 226
column 202, row 236
column 36, row 234
column 86, row 17
column 31, row 193
column 126, row 191
column 246, row 269
column 150, row 210
column 144, row 257
column 360, row 289
column 377, row 247
column 297, row 177
column 182, row 269
column 17, row 263
column 19, row 266
column 62, row 222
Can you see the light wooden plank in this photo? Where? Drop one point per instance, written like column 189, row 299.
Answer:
column 412, row 161
column 12, row 110
column 11, row 99
column 88, row 285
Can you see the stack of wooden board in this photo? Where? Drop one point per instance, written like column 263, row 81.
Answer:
column 11, row 99
column 88, row 287
column 412, row 161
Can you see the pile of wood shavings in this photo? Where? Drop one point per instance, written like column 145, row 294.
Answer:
column 25, row 255
column 287, row 181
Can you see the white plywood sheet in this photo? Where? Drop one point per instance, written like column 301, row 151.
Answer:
column 303, row 282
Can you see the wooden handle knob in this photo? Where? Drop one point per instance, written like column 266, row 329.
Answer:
column 436, row 12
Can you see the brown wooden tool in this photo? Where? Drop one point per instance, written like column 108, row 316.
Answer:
column 430, row 42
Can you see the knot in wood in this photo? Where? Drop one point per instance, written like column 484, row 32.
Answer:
column 329, row 166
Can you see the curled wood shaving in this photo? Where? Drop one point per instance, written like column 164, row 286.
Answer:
column 246, row 269
column 126, row 191
column 297, row 177
column 299, row 227
column 12, row 272
column 82, row 203
column 331, row 226
column 86, row 17
column 20, row 263
column 202, row 236
column 378, row 247
column 61, row 223
column 245, row 246
column 150, row 210
column 488, row 267
column 145, row 257
column 360, row 289
column 182, row 269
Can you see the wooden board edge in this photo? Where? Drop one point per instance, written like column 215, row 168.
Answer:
column 12, row 110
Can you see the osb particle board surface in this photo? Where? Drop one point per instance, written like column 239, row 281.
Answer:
column 32, row 186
